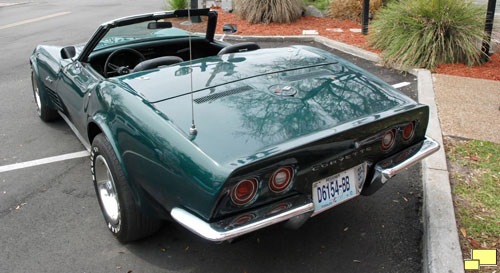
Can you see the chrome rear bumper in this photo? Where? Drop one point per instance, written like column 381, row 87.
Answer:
column 389, row 167
column 244, row 223
column 299, row 206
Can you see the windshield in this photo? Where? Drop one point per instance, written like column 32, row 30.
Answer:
column 140, row 32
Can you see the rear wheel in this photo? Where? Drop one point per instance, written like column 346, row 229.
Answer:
column 121, row 213
column 44, row 112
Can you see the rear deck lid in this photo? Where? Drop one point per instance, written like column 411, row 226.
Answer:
column 252, row 117
column 172, row 81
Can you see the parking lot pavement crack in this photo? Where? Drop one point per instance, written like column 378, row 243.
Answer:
column 56, row 181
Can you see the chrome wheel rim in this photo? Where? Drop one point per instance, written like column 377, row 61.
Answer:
column 37, row 99
column 36, row 92
column 106, row 190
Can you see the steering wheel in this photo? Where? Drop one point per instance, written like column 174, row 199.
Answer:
column 120, row 66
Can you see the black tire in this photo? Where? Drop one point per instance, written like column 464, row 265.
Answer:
column 130, row 224
column 44, row 112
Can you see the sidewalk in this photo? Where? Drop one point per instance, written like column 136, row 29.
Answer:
column 468, row 107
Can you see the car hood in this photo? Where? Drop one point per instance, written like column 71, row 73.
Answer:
column 257, row 116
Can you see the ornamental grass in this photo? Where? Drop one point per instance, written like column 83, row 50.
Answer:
column 351, row 9
column 426, row 33
column 177, row 4
column 267, row 11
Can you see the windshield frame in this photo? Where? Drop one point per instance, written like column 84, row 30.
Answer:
column 105, row 27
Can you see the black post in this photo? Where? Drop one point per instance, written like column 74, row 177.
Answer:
column 366, row 12
column 194, row 4
column 488, row 28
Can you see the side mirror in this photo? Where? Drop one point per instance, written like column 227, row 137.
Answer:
column 229, row 28
column 68, row 52
column 159, row 25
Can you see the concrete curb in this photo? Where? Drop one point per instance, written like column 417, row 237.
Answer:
column 441, row 248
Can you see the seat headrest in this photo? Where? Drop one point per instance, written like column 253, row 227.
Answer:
column 246, row 46
column 156, row 62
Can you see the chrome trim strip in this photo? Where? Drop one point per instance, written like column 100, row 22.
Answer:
column 75, row 131
column 428, row 147
column 207, row 230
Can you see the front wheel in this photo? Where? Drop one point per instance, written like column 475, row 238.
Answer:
column 121, row 213
column 44, row 112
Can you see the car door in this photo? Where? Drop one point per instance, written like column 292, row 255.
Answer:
column 74, row 88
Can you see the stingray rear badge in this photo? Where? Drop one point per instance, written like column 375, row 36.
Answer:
column 283, row 90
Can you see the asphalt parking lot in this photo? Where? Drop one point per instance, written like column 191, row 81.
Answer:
column 50, row 220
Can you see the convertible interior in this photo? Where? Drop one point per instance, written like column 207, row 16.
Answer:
column 153, row 54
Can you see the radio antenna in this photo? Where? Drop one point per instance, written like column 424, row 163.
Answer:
column 192, row 130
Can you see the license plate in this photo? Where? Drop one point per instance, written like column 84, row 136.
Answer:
column 333, row 190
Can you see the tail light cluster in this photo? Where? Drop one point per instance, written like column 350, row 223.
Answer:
column 409, row 131
column 388, row 140
column 281, row 179
column 389, row 137
column 245, row 191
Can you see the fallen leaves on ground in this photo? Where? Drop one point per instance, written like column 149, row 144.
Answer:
column 464, row 233
column 20, row 206
column 475, row 243
column 475, row 158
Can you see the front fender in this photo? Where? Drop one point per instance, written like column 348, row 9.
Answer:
column 45, row 64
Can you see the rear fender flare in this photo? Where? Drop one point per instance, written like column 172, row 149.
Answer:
column 100, row 119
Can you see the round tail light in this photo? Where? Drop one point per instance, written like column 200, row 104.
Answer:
column 388, row 140
column 409, row 131
column 281, row 179
column 244, row 191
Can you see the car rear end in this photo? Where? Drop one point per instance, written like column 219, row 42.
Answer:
column 322, row 170
column 301, row 129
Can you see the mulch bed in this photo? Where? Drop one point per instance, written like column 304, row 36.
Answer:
column 295, row 28
column 490, row 70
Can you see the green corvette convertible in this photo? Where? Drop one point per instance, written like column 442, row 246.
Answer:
column 223, row 139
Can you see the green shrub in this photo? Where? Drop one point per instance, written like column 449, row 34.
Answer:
column 177, row 4
column 319, row 4
column 426, row 33
column 267, row 11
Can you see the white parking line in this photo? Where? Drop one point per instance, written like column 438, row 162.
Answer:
column 8, row 4
column 34, row 20
column 401, row 84
column 42, row 161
